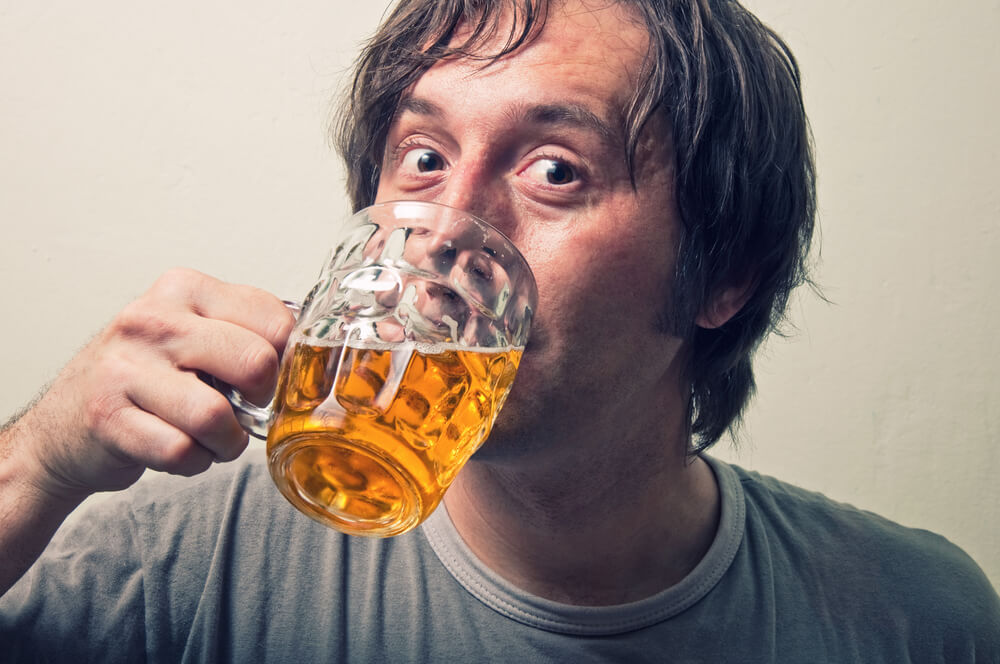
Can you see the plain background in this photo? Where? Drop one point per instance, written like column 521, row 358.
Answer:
column 137, row 136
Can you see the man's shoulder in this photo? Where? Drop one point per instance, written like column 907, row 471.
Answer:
column 816, row 523
column 866, row 559
column 816, row 517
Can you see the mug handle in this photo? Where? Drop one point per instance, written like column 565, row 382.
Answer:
column 254, row 419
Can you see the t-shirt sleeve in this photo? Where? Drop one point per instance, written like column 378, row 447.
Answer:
column 82, row 600
column 882, row 591
column 959, row 615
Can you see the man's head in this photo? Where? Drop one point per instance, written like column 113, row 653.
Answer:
column 723, row 92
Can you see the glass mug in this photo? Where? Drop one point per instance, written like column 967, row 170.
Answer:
column 401, row 357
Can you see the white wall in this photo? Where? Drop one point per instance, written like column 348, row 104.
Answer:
column 136, row 136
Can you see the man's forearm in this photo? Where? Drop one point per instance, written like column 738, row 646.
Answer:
column 29, row 516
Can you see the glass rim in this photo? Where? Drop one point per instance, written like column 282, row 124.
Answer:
column 435, row 205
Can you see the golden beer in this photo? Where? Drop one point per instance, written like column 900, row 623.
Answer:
column 367, row 439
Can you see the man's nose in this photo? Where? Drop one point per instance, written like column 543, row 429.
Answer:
column 475, row 189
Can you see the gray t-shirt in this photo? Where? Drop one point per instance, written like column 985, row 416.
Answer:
column 219, row 568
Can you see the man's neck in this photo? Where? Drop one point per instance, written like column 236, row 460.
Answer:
column 588, row 536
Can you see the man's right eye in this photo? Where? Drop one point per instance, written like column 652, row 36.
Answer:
column 422, row 160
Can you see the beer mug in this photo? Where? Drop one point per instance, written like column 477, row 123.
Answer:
column 401, row 357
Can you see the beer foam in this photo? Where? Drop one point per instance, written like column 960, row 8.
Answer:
column 422, row 347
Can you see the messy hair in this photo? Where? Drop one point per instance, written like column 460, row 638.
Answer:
column 730, row 92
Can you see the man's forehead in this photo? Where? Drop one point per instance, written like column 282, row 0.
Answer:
column 511, row 22
column 581, row 47
column 607, row 29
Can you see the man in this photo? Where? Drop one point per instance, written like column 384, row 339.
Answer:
column 651, row 161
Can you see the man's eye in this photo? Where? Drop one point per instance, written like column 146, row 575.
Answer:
column 551, row 171
column 423, row 160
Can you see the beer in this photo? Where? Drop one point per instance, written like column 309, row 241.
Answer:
column 367, row 439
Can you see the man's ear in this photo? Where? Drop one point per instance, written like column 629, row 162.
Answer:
column 723, row 306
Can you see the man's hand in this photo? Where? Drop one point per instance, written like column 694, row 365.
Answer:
column 132, row 400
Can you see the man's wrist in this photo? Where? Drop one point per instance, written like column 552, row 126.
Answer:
column 23, row 472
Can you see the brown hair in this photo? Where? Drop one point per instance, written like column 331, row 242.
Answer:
column 730, row 90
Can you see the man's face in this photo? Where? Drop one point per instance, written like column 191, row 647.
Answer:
column 534, row 144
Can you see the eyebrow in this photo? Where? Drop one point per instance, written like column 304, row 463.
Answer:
column 572, row 115
column 419, row 106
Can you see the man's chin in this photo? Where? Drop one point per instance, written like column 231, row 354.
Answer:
column 505, row 442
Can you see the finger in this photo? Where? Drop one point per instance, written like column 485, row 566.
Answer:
column 194, row 409
column 227, row 351
column 150, row 441
column 247, row 307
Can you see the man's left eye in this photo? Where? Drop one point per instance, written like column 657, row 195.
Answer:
column 551, row 171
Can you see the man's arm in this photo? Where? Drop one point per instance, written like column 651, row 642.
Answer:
column 28, row 516
column 132, row 400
